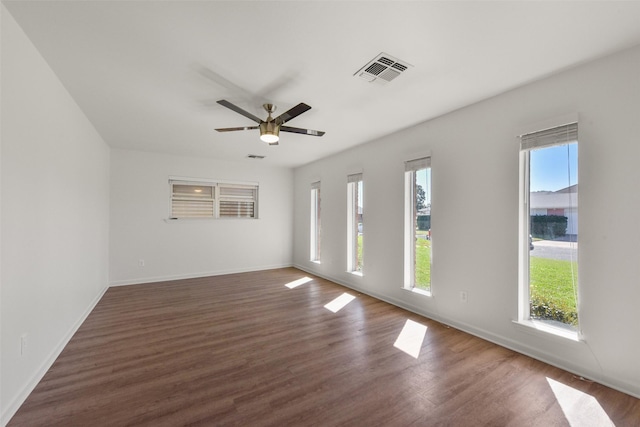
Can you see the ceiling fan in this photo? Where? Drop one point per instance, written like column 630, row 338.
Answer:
column 270, row 128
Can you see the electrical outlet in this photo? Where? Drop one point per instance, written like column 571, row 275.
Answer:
column 23, row 344
column 463, row 296
column 140, row 263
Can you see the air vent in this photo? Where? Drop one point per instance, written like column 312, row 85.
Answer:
column 255, row 156
column 382, row 69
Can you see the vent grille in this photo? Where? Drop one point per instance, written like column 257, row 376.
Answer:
column 399, row 66
column 375, row 68
column 389, row 74
column 382, row 69
column 386, row 61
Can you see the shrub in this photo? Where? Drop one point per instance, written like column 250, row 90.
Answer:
column 541, row 308
column 424, row 222
column 548, row 226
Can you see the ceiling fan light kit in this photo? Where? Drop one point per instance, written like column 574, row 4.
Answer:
column 269, row 132
column 270, row 128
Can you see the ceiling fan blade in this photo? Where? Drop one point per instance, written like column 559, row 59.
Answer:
column 302, row 131
column 239, row 110
column 292, row 113
column 238, row 128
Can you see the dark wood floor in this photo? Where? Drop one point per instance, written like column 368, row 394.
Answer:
column 245, row 349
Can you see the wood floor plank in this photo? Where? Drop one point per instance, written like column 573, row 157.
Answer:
column 245, row 349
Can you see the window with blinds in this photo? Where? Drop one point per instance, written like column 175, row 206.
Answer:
column 193, row 199
column 238, row 201
column 548, row 291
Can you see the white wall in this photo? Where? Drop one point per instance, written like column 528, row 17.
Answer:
column 475, row 163
column 199, row 247
column 54, row 221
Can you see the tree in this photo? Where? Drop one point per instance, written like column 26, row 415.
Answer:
column 420, row 197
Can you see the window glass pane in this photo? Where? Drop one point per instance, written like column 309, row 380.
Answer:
column 236, row 209
column 355, row 224
column 315, row 223
column 192, row 209
column 422, row 223
column 553, row 228
column 192, row 191
column 418, row 251
column 192, row 201
column 237, row 201
column 359, row 205
column 237, row 192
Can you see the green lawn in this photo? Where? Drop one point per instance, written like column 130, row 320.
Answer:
column 552, row 293
column 423, row 264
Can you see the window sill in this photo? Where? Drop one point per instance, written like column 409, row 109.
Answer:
column 544, row 329
column 314, row 261
column 356, row 273
column 418, row 291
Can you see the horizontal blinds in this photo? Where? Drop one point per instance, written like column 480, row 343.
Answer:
column 192, row 200
column 237, row 209
column 315, row 185
column 238, row 201
column 192, row 209
column 417, row 164
column 356, row 177
column 238, row 192
column 202, row 200
column 555, row 136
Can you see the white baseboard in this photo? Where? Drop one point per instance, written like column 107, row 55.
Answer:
column 616, row 384
column 138, row 281
column 15, row 404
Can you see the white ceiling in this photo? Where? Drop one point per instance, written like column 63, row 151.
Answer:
column 148, row 73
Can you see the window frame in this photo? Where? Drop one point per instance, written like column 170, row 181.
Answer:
column 410, row 224
column 217, row 187
column 529, row 143
column 353, row 183
column 242, row 201
column 315, row 222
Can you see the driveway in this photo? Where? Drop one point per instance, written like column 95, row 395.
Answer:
column 565, row 251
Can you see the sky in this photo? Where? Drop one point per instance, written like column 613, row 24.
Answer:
column 554, row 168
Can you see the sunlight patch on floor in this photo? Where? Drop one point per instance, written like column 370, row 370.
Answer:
column 579, row 408
column 410, row 338
column 338, row 303
column 298, row 282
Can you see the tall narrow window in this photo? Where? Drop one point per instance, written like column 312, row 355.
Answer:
column 315, row 222
column 549, row 227
column 355, row 227
column 417, row 229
